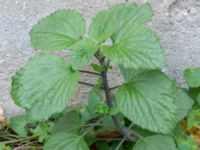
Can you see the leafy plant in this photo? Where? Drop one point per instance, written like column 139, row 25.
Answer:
column 141, row 113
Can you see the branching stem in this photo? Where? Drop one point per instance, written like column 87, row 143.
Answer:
column 92, row 126
column 109, row 101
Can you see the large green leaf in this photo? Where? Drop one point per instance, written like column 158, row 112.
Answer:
column 66, row 141
column 183, row 102
column 44, row 86
column 148, row 101
column 82, row 53
column 108, row 22
column 192, row 77
column 136, row 47
column 58, row 31
column 70, row 122
column 18, row 124
column 156, row 142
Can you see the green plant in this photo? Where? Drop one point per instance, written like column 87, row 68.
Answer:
column 140, row 114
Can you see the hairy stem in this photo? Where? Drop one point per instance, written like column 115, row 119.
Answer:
column 89, row 72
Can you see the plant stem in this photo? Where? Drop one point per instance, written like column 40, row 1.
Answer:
column 124, row 139
column 18, row 140
column 110, row 103
column 89, row 72
column 92, row 126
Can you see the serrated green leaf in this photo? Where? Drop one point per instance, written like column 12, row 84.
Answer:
column 108, row 22
column 58, row 31
column 66, row 141
column 18, row 124
column 70, row 123
column 156, row 142
column 82, row 53
column 183, row 102
column 44, row 86
column 147, row 100
column 136, row 47
column 192, row 77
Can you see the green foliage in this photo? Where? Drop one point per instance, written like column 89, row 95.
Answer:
column 141, row 114
column 82, row 53
column 192, row 77
column 58, row 31
column 187, row 143
column 18, row 124
column 65, row 141
column 147, row 100
column 42, row 131
column 138, row 52
column 156, row 142
column 44, row 86
column 183, row 102
column 4, row 147
column 194, row 117
column 69, row 122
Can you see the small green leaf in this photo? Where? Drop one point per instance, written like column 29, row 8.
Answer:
column 82, row 53
column 42, row 131
column 110, row 21
column 148, row 101
column 136, row 47
column 18, row 124
column 193, row 118
column 70, row 123
column 66, row 141
column 44, row 86
column 98, row 68
column 102, row 108
column 183, row 102
column 192, row 77
column 188, row 143
column 58, row 31
column 4, row 147
column 156, row 142
column 94, row 98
